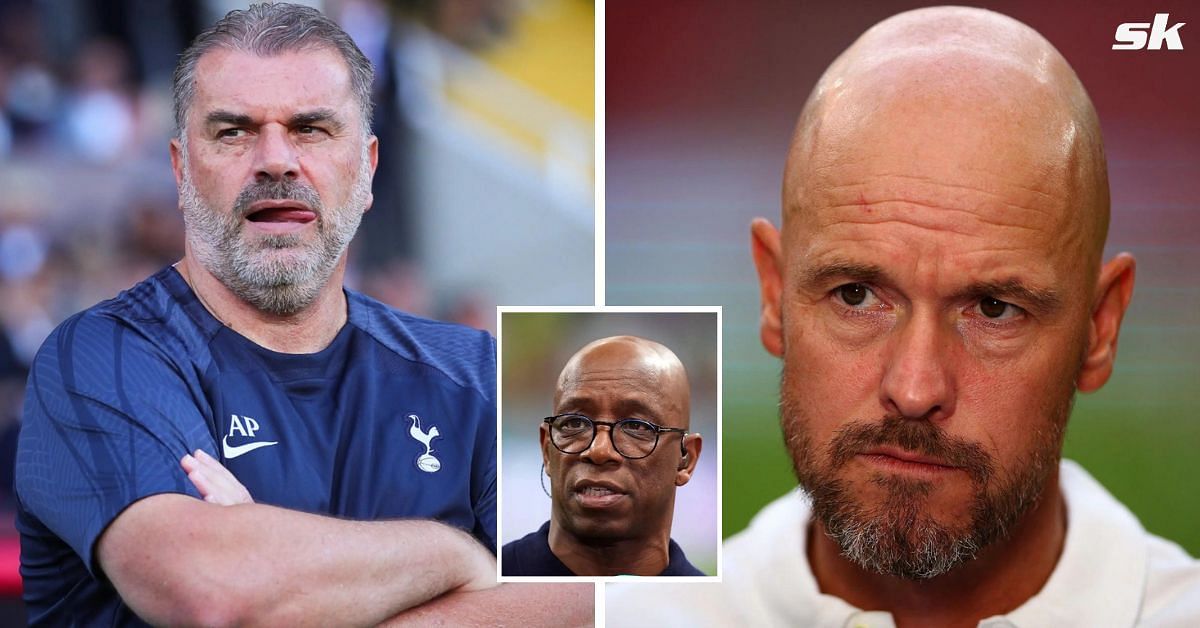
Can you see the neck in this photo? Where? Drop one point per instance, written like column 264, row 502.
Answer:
column 1002, row 577
column 306, row 331
column 647, row 556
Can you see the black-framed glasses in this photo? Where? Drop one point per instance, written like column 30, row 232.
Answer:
column 632, row 438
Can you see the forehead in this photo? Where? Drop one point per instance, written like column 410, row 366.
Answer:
column 969, row 179
column 281, row 84
column 618, row 382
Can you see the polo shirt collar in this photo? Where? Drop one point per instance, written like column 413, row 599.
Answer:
column 1101, row 576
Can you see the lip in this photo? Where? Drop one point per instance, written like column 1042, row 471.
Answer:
column 598, row 494
column 278, row 203
column 897, row 459
column 285, row 216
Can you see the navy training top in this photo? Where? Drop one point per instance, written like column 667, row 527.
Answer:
column 395, row 418
column 530, row 555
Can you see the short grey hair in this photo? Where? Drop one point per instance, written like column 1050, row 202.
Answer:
column 266, row 30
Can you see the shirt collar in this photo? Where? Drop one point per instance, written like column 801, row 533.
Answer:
column 542, row 556
column 1101, row 575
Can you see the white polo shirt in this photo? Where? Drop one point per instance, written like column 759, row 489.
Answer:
column 1111, row 573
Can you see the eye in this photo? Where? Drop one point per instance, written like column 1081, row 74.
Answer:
column 572, row 424
column 856, row 295
column 309, row 130
column 996, row 309
column 639, row 429
column 232, row 133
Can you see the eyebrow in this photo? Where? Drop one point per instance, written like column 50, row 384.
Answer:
column 635, row 408
column 842, row 269
column 626, row 408
column 324, row 114
column 228, row 117
column 317, row 115
column 1038, row 299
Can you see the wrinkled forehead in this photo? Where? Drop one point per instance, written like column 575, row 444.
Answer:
column 308, row 78
column 924, row 133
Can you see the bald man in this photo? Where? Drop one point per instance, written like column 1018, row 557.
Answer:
column 937, row 296
column 615, row 450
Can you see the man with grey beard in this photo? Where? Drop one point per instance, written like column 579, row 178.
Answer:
column 937, row 295
column 239, row 439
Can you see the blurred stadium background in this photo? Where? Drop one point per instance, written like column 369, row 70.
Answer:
column 484, row 193
column 534, row 349
column 701, row 97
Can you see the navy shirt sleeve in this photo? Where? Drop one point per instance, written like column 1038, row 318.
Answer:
column 107, row 417
column 484, row 500
column 483, row 480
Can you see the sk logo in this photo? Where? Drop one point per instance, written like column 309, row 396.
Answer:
column 425, row 462
column 1132, row 35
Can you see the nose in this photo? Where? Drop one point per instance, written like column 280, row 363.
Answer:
column 601, row 450
column 918, row 380
column 276, row 157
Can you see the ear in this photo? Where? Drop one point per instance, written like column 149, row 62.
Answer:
column 373, row 153
column 176, row 150
column 765, row 247
column 692, row 443
column 373, row 156
column 1114, row 290
column 544, row 440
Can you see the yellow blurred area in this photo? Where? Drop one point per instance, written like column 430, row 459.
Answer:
column 552, row 51
column 551, row 55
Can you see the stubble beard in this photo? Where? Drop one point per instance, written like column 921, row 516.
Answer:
column 897, row 536
column 280, row 274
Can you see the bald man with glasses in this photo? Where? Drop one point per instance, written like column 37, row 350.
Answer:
column 615, row 450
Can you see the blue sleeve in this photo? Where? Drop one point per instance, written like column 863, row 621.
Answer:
column 484, row 502
column 107, row 417
column 483, row 493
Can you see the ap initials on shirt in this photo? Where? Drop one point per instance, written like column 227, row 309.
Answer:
column 245, row 426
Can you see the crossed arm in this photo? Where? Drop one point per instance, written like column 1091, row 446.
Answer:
column 177, row 560
column 558, row 605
